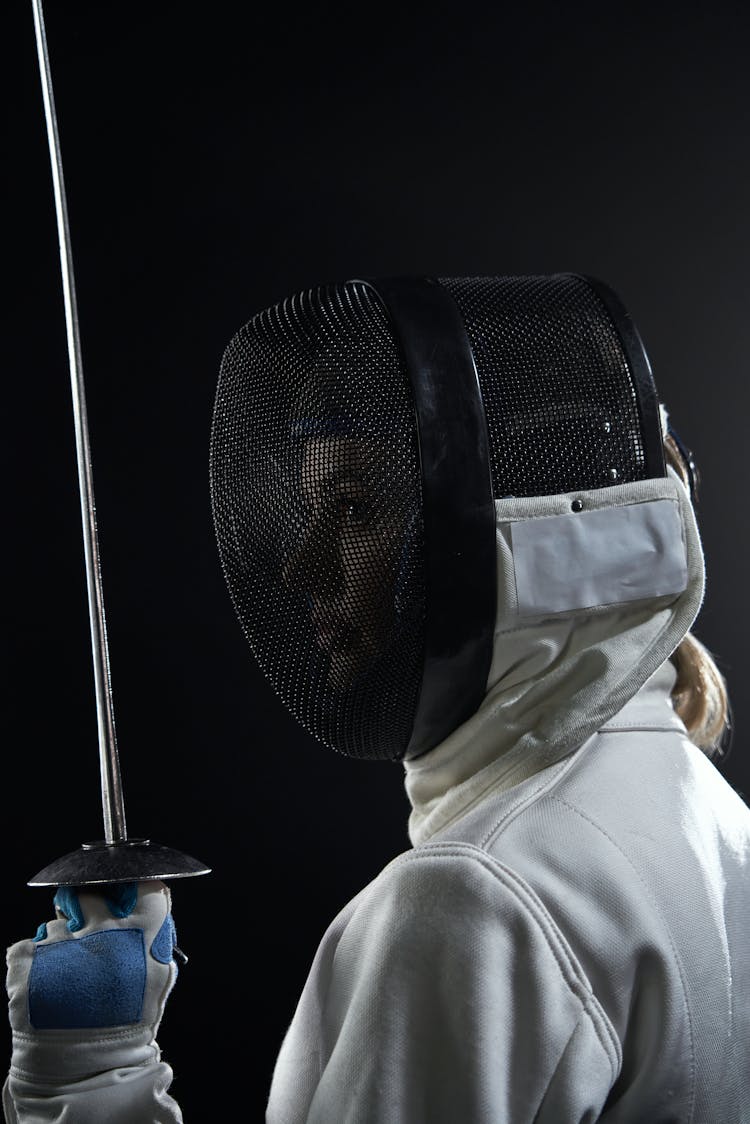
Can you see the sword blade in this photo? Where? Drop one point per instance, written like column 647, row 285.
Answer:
column 113, row 807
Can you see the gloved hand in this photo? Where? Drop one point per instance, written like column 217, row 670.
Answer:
column 87, row 995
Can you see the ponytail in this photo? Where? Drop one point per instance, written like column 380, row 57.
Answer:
column 699, row 696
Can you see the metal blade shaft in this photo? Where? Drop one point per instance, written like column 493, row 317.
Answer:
column 112, row 798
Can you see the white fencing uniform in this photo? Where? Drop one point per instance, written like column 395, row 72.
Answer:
column 567, row 940
column 573, row 948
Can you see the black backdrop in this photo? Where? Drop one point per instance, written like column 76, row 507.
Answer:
column 217, row 158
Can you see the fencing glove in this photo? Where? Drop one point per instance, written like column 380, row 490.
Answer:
column 87, row 995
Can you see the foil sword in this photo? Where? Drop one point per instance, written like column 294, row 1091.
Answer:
column 114, row 858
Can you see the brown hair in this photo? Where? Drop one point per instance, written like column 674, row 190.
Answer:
column 699, row 695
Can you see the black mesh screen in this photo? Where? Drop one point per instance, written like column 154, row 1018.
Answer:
column 316, row 498
column 558, row 393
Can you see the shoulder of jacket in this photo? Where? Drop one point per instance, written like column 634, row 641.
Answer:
column 448, row 907
column 461, row 885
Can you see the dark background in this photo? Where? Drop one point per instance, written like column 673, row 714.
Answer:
column 217, row 158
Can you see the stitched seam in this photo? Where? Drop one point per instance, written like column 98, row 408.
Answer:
column 511, row 813
column 486, row 790
column 535, row 909
column 507, row 818
column 66, row 1078
column 572, row 808
column 664, row 489
column 52, row 1037
column 601, row 608
column 614, row 1069
column 618, row 726
column 604, row 1027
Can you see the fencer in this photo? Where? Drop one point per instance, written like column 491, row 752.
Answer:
column 458, row 531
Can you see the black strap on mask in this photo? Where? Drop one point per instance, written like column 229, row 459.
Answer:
column 458, row 504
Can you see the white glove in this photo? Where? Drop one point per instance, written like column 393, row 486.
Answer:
column 86, row 999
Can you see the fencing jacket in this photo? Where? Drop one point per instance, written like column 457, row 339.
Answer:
column 572, row 949
column 567, row 939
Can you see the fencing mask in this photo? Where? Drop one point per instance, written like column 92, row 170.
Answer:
column 362, row 435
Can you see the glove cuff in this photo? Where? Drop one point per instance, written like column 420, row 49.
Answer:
column 57, row 1056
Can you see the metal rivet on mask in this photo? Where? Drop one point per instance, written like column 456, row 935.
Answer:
column 613, row 473
column 577, row 505
column 606, row 427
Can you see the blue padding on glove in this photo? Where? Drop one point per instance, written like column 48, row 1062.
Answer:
column 98, row 980
column 162, row 947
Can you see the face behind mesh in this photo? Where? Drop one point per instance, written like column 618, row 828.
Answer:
column 316, row 496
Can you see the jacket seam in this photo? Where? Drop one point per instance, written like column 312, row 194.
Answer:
column 563, row 956
column 538, row 794
column 594, row 1018
column 617, row 727
column 672, row 945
